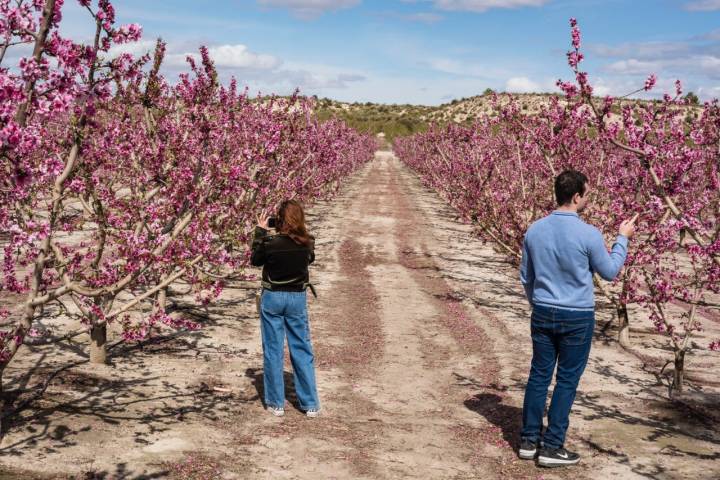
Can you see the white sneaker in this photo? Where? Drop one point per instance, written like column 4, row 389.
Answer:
column 312, row 413
column 277, row 411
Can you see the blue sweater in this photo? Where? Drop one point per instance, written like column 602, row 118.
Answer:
column 560, row 254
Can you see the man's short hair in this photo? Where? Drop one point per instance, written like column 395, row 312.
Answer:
column 567, row 184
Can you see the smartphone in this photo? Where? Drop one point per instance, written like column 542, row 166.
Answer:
column 272, row 222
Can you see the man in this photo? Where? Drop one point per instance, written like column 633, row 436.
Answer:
column 560, row 255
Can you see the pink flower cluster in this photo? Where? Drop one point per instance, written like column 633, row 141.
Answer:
column 128, row 33
column 650, row 82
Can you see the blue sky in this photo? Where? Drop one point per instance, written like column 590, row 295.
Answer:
column 431, row 51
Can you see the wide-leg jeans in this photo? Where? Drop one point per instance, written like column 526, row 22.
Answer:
column 285, row 314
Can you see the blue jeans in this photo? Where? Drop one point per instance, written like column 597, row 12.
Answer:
column 281, row 313
column 561, row 337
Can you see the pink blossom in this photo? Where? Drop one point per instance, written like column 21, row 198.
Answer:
column 575, row 37
column 650, row 82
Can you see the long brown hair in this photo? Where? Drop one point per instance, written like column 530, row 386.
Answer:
column 291, row 222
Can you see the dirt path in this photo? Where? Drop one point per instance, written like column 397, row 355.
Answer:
column 421, row 341
column 389, row 366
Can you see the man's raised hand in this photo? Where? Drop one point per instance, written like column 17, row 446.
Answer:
column 627, row 227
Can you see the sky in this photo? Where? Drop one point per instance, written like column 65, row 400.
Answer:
column 430, row 51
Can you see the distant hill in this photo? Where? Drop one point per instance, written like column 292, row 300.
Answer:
column 394, row 119
column 397, row 120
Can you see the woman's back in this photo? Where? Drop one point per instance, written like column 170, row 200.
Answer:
column 283, row 260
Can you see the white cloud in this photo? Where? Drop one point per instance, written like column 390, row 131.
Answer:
column 614, row 86
column 695, row 61
column 709, row 64
column 238, row 56
column 308, row 9
column 136, row 49
column 642, row 49
column 712, row 36
column 703, row 5
column 521, row 85
column 265, row 73
column 261, row 72
column 704, row 64
column 621, row 86
column 633, row 66
column 314, row 78
column 484, row 5
column 228, row 56
column 711, row 92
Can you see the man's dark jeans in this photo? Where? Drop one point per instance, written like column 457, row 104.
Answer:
column 563, row 337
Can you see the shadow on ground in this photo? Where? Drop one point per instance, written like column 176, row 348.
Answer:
column 256, row 377
column 49, row 405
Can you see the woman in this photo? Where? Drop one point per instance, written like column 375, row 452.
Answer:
column 283, row 306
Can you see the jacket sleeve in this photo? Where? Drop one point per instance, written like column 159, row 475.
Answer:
column 605, row 264
column 259, row 256
column 312, row 249
column 527, row 272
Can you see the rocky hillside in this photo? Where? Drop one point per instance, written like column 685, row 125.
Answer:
column 397, row 120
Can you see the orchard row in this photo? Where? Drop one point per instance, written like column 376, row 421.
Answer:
column 658, row 159
column 117, row 182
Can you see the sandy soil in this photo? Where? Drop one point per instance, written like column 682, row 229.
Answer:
column 422, row 346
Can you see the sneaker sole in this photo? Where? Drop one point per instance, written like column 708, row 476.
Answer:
column 556, row 462
column 527, row 454
column 312, row 415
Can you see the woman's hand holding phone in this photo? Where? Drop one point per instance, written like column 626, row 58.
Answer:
column 263, row 221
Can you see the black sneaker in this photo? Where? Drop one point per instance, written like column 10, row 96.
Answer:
column 528, row 450
column 557, row 457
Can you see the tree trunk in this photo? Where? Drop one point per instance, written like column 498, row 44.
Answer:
column 624, row 325
column 98, row 344
column 162, row 299
column 679, row 374
column 160, row 305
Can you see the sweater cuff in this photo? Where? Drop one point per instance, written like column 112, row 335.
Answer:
column 622, row 240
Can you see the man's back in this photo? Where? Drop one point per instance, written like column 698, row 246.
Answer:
column 560, row 254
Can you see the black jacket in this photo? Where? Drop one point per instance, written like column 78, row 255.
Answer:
column 282, row 259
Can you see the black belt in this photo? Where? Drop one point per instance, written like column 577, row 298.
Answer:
column 269, row 284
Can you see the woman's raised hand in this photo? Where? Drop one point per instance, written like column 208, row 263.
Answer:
column 263, row 221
